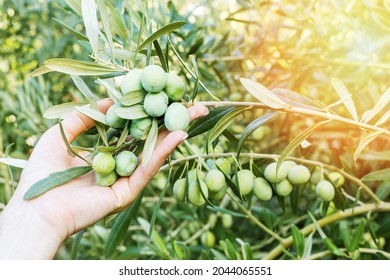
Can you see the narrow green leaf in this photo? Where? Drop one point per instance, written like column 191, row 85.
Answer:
column 133, row 98
column 69, row 148
column 76, row 245
column 379, row 175
column 19, row 163
column 161, row 32
column 106, row 23
column 181, row 250
column 383, row 119
column 263, row 94
column 120, row 227
column 75, row 5
column 232, row 184
column 161, row 56
column 159, row 202
column 384, row 228
column 54, row 180
column 75, row 67
column 90, row 113
column 298, row 140
column 365, row 139
column 383, row 191
column 150, row 143
column 308, row 246
column 380, row 104
column 227, row 211
column 113, row 93
column 229, row 249
column 72, row 30
column 82, row 86
column 208, row 122
column 357, row 236
column 196, row 72
column 252, row 127
column 344, row 94
column 116, row 22
column 88, row 9
column 156, row 239
column 246, row 249
column 332, row 247
column 346, row 235
column 61, row 110
column 298, row 241
column 295, row 99
column 132, row 112
column 124, row 134
column 40, row 71
column 224, row 122
column 123, row 54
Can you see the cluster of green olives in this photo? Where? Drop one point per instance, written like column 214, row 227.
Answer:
column 146, row 94
column 280, row 182
column 108, row 169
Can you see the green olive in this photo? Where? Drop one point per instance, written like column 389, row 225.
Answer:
column 125, row 163
column 112, row 118
column 215, row 180
column 298, row 175
column 227, row 220
column 270, row 173
column 316, row 176
column 224, row 165
column 325, row 190
column 262, row 189
column 103, row 163
column 153, row 78
column 175, row 87
column 106, row 180
column 176, row 117
column 245, row 181
column 283, row 188
column 192, row 175
column 131, row 81
column 140, row 127
column 156, row 104
column 179, row 189
column 194, row 193
column 219, row 194
column 337, row 178
column 208, row 239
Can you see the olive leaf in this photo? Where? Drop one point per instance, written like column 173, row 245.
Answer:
column 93, row 114
column 295, row 99
column 161, row 56
column 106, row 23
column 132, row 112
column 75, row 67
column 150, row 143
column 133, row 97
column 298, row 140
column 75, row 5
column 380, row 104
column 59, row 111
column 76, row 244
column 15, row 162
column 208, row 122
column 120, row 227
column 116, row 22
column 246, row 249
column 54, row 180
column 161, row 32
column 113, row 93
column 223, row 123
column 72, row 30
column 379, row 175
column 365, row 139
column 88, row 10
column 41, row 71
column 82, row 86
column 298, row 241
column 263, row 94
column 342, row 91
column 255, row 124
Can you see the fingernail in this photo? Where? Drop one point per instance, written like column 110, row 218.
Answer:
column 184, row 137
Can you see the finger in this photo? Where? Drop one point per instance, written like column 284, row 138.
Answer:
column 127, row 189
column 77, row 123
column 197, row 111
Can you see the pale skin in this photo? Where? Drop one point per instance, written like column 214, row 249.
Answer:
column 36, row 228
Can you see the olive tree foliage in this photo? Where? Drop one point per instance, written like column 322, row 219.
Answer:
column 303, row 82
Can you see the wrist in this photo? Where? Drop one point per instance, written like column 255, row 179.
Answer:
column 25, row 235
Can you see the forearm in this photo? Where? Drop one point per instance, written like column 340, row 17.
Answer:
column 24, row 235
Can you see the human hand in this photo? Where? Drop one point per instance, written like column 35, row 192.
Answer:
column 36, row 228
